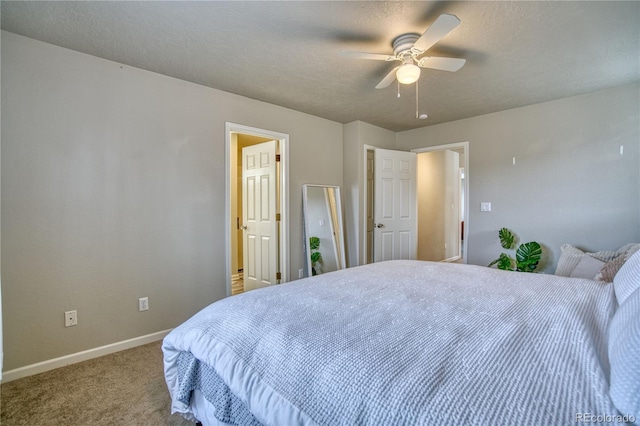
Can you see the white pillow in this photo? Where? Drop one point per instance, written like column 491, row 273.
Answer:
column 631, row 250
column 587, row 267
column 627, row 280
column 570, row 257
column 624, row 355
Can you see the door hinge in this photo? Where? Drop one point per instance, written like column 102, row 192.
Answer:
column 278, row 275
column 277, row 217
column 277, row 158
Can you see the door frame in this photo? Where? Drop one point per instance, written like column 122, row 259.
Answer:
column 465, row 214
column 362, row 255
column 283, row 140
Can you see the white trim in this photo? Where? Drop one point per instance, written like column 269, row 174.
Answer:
column 283, row 139
column 455, row 145
column 465, row 147
column 41, row 367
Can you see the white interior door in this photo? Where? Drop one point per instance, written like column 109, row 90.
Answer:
column 395, row 211
column 260, row 254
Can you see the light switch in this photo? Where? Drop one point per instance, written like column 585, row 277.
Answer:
column 321, row 222
column 485, row 206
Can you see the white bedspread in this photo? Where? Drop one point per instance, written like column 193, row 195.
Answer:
column 407, row 343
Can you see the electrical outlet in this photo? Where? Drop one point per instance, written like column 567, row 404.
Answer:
column 300, row 273
column 70, row 318
column 143, row 304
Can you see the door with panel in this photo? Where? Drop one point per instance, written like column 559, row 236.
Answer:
column 395, row 211
column 259, row 179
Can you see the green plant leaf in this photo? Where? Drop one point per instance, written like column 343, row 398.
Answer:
column 316, row 257
column 504, row 262
column 506, row 238
column 528, row 256
column 314, row 243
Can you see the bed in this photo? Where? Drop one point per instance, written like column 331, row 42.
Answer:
column 413, row 343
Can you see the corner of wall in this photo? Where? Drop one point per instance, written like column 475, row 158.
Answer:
column 350, row 196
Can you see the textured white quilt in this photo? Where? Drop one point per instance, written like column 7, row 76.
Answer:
column 408, row 343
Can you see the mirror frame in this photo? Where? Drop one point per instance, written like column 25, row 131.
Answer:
column 305, row 208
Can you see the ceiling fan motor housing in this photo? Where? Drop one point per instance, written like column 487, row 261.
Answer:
column 404, row 43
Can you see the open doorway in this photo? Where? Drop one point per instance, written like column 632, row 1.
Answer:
column 256, row 208
column 442, row 193
column 449, row 200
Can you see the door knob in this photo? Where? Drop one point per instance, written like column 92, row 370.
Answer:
column 379, row 225
column 243, row 227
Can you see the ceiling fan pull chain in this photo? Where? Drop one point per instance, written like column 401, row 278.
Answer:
column 398, row 88
column 417, row 99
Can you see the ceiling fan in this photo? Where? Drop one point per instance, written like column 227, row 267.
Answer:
column 407, row 48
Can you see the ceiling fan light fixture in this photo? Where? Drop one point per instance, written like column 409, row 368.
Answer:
column 408, row 73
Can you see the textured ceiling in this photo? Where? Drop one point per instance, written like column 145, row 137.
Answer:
column 287, row 53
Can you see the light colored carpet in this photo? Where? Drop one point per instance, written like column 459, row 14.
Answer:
column 125, row 388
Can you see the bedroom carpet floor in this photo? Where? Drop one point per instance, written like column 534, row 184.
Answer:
column 125, row 388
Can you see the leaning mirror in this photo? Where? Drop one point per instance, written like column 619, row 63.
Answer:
column 323, row 229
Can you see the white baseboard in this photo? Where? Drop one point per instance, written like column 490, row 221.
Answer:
column 41, row 367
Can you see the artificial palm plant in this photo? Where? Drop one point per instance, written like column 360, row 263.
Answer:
column 528, row 255
column 316, row 256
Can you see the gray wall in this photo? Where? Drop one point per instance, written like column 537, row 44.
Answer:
column 113, row 188
column 351, row 191
column 569, row 184
column 113, row 181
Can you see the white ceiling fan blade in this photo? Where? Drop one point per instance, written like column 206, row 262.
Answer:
column 443, row 64
column 440, row 28
column 388, row 79
column 365, row 55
